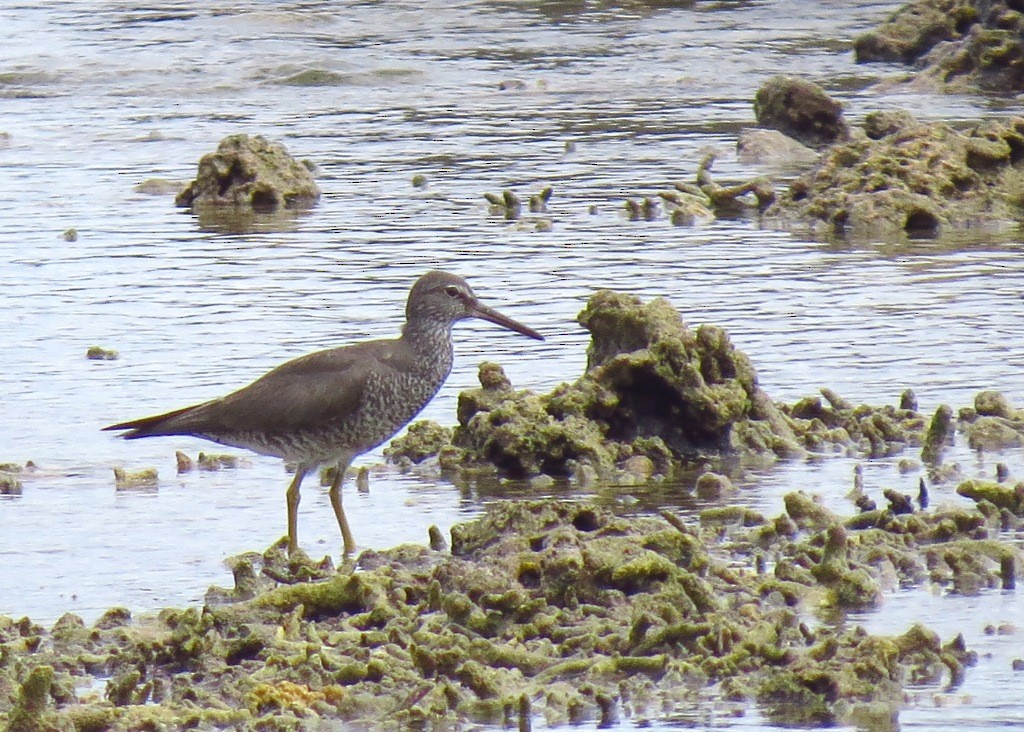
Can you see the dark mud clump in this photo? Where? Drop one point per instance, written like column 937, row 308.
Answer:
column 955, row 45
column 563, row 612
column 250, row 173
column 913, row 178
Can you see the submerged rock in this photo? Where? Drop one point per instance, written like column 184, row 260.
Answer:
column 250, row 173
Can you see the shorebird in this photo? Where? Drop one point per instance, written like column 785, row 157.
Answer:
column 328, row 407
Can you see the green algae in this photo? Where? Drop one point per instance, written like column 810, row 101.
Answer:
column 581, row 612
column 99, row 353
column 800, row 109
column 919, row 179
column 1001, row 496
column 956, row 45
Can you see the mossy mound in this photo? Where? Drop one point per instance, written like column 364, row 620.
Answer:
column 653, row 387
column 958, row 45
column 800, row 109
column 919, row 179
column 916, row 28
column 250, row 173
column 562, row 611
column 656, row 396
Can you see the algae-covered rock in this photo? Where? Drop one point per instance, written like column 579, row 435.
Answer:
column 652, row 387
column 872, row 431
column 940, row 435
column 915, row 29
column 422, row 440
column 992, row 424
column 999, row 495
column 800, row 109
column 10, row 483
column 250, row 173
column 584, row 613
column 955, row 45
column 99, row 353
column 655, row 395
column 144, row 478
column 920, row 179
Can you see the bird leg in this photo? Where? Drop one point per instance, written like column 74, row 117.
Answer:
column 293, row 508
column 339, row 511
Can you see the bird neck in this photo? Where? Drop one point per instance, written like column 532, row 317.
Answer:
column 432, row 341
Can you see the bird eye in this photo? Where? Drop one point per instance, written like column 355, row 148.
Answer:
column 451, row 291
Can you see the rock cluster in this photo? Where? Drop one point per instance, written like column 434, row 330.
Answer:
column 545, row 610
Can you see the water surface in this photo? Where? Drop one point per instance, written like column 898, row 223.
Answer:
column 476, row 96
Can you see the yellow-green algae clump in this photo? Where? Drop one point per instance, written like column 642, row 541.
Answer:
column 558, row 610
column 250, row 173
column 654, row 391
column 917, row 178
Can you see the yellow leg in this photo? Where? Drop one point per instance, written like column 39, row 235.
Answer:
column 339, row 511
column 293, row 508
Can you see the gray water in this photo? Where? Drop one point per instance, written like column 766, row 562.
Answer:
column 99, row 96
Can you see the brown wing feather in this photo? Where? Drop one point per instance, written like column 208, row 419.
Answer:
column 300, row 394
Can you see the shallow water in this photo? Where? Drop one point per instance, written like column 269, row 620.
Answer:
column 98, row 97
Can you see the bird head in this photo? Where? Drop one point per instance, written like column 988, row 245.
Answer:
column 447, row 298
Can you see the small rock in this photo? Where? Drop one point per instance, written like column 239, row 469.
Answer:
column 145, row 478
column 98, row 353
column 253, row 173
column 217, row 461
column 800, row 109
column 711, row 486
column 157, row 187
column 879, row 124
column 639, row 466
column 993, row 404
column 772, row 148
column 940, row 435
column 185, row 463
column 10, row 484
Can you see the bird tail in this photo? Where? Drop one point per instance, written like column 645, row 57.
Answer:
column 168, row 423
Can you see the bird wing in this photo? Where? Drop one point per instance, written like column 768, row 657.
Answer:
column 305, row 393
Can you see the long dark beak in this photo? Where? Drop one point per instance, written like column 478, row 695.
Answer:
column 479, row 310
